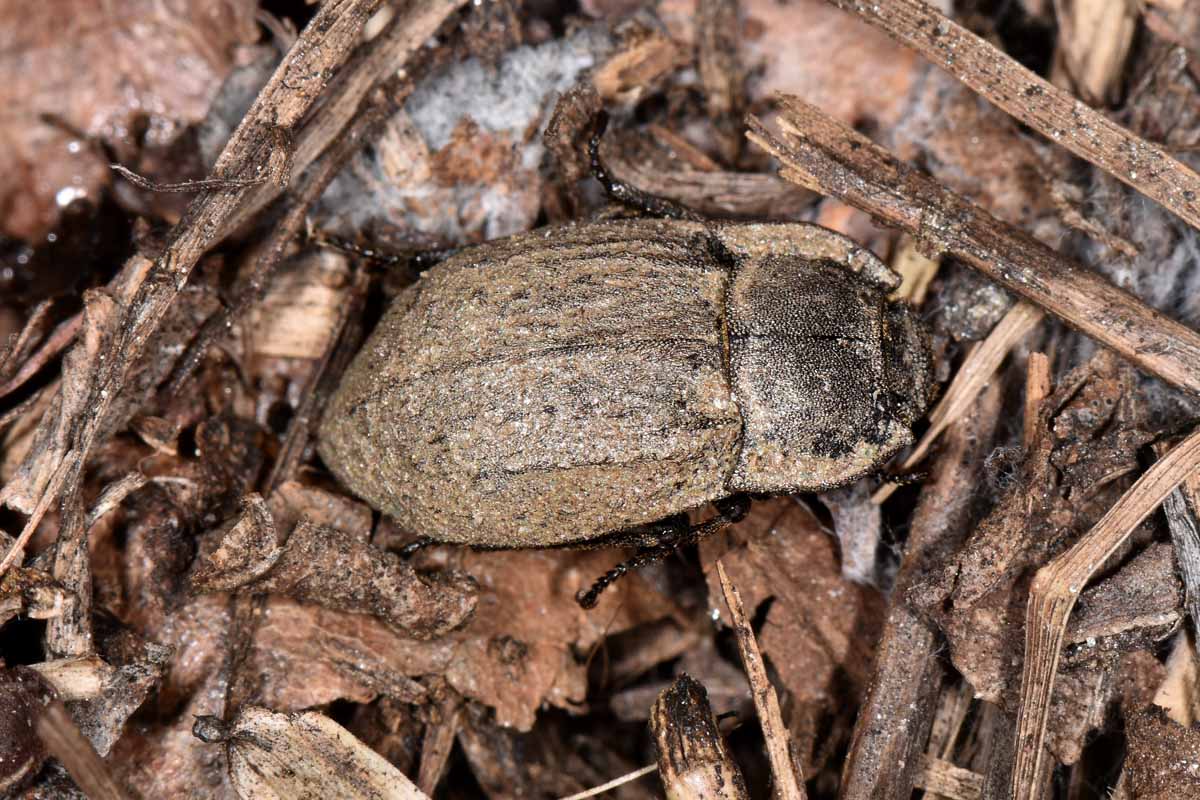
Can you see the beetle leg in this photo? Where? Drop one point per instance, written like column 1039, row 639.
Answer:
column 625, row 193
column 729, row 510
column 412, row 548
column 417, row 260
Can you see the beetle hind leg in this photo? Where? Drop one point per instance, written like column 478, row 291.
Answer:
column 670, row 533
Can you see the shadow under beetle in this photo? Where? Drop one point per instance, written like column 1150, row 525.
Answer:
column 562, row 385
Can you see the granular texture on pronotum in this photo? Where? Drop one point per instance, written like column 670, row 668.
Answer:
column 561, row 385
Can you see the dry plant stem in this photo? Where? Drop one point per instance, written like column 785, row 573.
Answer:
column 1181, row 508
column 978, row 368
column 693, row 762
column 64, row 741
column 895, row 718
column 1037, row 388
column 824, row 155
column 1039, row 104
column 628, row 777
column 789, row 783
column 1054, row 593
column 70, row 633
column 252, row 150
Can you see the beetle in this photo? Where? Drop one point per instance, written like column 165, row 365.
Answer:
column 589, row 383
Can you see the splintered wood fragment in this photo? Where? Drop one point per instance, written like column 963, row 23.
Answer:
column 113, row 495
column 439, row 742
column 823, row 154
column 981, row 363
column 1055, row 590
column 948, row 720
column 1037, row 388
column 946, row 780
column 64, row 741
column 1055, row 113
column 692, row 758
column 789, row 783
column 1179, row 693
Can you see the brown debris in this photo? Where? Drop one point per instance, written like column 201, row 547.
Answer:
column 66, row 743
column 320, row 564
column 175, row 549
column 518, row 650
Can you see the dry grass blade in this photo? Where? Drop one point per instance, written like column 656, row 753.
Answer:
column 1037, row 103
column 825, row 155
column 788, row 781
column 1055, row 591
column 629, row 777
column 976, row 371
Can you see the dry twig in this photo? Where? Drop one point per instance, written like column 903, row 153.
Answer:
column 788, row 781
column 895, row 718
column 628, row 777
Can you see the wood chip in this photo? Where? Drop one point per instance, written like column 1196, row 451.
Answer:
column 693, row 761
column 308, row 756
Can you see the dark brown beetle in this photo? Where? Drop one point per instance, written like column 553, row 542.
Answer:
column 562, row 385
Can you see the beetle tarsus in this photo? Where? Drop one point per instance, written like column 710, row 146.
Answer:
column 729, row 510
column 415, row 546
column 623, row 192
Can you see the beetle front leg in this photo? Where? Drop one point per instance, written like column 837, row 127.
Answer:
column 626, row 193
column 729, row 510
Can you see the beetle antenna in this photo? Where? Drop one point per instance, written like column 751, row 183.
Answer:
column 623, row 192
column 729, row 510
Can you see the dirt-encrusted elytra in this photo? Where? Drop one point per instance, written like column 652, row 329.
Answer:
column 561, row 385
